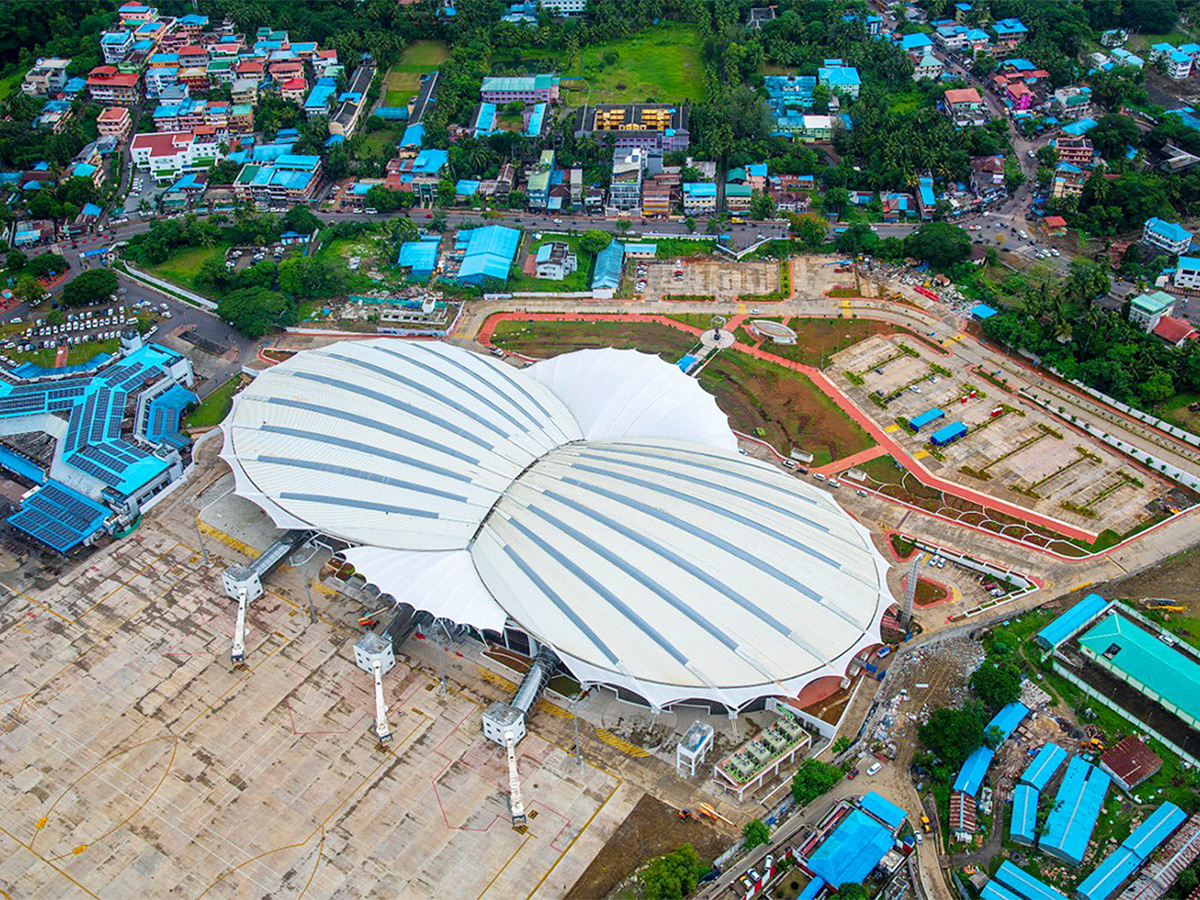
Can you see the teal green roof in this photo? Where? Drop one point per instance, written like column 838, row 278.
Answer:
column 1140, row 656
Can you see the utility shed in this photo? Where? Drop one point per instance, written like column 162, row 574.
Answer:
column 930, row 415
column 948, row 434
column 1130, row 762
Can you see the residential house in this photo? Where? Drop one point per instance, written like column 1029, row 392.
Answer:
column 555, row 261
column 1169, row 237
column 1178, row 65
column 1147, row 309
column 1009, row 33
column 699, row 198
column 291, row 179
column 161, row 79
column 420, row 174
column 115, row 46
column 241, row 118
column 244, row 90
column 1122, row 57
column 926, row 198
column 115, row 122
column 1187, row 273
column 54, row 116
column 657, row 197
column 815, row 128
column 109, row 87
column 1071, row 103
column 168, row 155
column 1174, row 331
column 839, row 78
column 1075, row 150
column 1114, row 37
column 758, row 15
column 898, row 206
column 320, row 98
column 1054, row 226
column 964, row 106
column 791, row 193
column 541, row 177
column 928, row 68
column 625, row 189
column 1068, row 181
column 738, row 197
column 47, row 77
column 916, row 45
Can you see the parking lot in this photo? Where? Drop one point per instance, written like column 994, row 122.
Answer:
column 723, row 279
column 1012, row 449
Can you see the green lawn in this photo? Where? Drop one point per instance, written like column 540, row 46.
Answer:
column 579, row 280
column 214, row 407
column 383, row 141
column 403, row 79
column 10, row 84
column 182, row 266
column 76, row 354
column 907, row 102
column 661, row 64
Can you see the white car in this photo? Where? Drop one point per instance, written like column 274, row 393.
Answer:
column 875, row 767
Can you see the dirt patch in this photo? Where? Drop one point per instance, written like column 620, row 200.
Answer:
column 818, row 339
column 651, row 829
column 1177, row 579
column 781, row 407
column 543, row 339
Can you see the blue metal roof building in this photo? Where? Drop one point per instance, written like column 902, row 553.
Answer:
column 1043, row 766
column 930, row 415
column 1022, row 827
column 970, row 776
column 1080, row 127
column 609, row 262
column 419, row 256
column 982, row 311
column 489, row 253
column 1077, row 806
column 853, row 851
column 1071, row 621
column 883, row 809
column 948, row 434
column 165, row 410
column 1023, row 885
column 1123, row 862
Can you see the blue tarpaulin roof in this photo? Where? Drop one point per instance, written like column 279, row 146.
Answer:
column 982, row 311
column 970, row 777
column 853, row 851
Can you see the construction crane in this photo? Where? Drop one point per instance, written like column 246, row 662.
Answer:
column 381, row 726
column 515, row 803
column 237, row 653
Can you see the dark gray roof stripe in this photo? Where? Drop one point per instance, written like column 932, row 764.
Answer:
column 427, row 391
column 637, row 575
column 695, row 571
column 396, row 404
column 481, row 378
column 369, row 449
column 709, row 537
column 562, row 606
column 359, row 504
column 615, row 601
column 374, row 425
column 361, row 475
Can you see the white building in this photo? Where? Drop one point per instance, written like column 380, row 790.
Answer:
column 1170, row 237
column 555, row 261
column 669, row 568
column 928, row 68
column 564, row 7
column 168, row 154
column 1187, row 273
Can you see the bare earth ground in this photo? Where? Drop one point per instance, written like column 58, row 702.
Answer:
column 651, row 829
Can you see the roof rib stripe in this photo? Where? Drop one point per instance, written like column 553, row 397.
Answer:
column 359, row 504
column 368, row 449
column 315, row 466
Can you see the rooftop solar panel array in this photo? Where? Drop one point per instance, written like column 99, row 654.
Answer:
column 59, row 517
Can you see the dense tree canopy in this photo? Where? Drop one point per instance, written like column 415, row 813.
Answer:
column 89, row 288
column 673, row 875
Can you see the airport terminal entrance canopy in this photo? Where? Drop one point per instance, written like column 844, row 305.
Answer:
column 596, row 500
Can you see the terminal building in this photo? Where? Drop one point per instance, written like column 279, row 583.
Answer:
column 94, row 444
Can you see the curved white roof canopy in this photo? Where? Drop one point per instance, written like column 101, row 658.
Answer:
column 596, row 500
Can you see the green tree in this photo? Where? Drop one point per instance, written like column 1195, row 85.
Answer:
column 623, row 225
column 810, row 230
column 30, row 290
column 674, row 875
column 939, row 243
column 46, row 265
column 594, row 240
column 813, row 779
column 255, row 311
column 15, row 261
column 690, row 224
column 762, row 206
column 852, row 890
column 438, row 222
column 755, row 832
column 996, row 683
column 90, row 288
column 1113, row 134
column 954, row 734
column 301, row 220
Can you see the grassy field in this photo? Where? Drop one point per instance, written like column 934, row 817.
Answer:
column 579, row 280
column 781, row 407
column 818, row 339
column 546, row 339
column 661, row 64
column 403, row 80
column 10, row 84
column 183, row 265
column 214, row 407
column 384, row 141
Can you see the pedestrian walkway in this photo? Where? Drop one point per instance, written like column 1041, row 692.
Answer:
column 854, row 459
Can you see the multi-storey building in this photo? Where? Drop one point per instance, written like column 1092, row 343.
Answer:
column 1075, row 150
column 115, row 45
column 112, row 88
column 115, row 122
column 47, row 77
column 167, row 155
column 291, row 179
column 651, row 126
column 530, row 89
column 1168, row 237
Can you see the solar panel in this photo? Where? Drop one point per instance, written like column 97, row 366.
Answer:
column 86, row 465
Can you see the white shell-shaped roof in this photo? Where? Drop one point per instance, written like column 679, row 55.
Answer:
column 595, row 500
